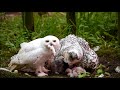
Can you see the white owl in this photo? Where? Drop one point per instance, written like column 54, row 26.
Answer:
column 35, row 53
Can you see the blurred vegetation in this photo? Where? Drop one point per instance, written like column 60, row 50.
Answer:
column 98, row 28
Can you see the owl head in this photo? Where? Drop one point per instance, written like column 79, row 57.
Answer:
column 51, row 40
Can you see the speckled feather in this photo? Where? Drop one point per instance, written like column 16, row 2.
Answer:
column 72, row 42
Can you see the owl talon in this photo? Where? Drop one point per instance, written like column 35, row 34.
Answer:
column 45, row 70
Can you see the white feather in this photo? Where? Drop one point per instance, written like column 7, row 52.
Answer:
column 37, row 51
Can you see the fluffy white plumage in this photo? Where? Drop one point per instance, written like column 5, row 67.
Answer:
column 35, row 53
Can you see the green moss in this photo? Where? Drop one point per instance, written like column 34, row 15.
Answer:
column 109, row 52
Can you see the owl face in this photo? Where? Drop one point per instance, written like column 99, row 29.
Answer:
column 52, row 41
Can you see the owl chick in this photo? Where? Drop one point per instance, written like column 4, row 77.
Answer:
column 35, row 53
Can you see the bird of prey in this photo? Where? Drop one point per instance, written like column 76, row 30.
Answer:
column 35, row 53
column 75, row 51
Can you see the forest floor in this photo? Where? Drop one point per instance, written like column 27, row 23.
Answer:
column 108, row 57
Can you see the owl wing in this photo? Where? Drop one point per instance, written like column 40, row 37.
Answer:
column 27, row 57
column 29, row 46
column 89, row 55
column 83, row 43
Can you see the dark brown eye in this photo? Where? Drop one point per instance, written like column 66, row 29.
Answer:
column 47, row 41
column 54, row 40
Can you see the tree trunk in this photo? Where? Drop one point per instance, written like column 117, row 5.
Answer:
column 29, row 20
column 71, row 21
column 23, row 19
column 119, row 27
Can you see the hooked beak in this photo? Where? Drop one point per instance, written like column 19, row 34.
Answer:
column 51, row 44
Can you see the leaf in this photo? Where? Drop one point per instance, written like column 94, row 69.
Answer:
column 99, row 71
column 82, row 75
column 107, row 34
column 101, row 66
column 107, row 74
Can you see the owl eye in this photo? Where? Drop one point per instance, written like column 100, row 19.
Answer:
column 54, row 40
column 47, row 41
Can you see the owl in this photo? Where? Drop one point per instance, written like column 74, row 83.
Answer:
column 35, row 53
column 76, row 52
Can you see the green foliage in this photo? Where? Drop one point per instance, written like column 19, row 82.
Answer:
column 53, row 25
column 83, row 75
column 96, row 27
column 101, row 69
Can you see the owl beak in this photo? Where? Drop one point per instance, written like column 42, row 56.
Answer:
column 51, row 44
